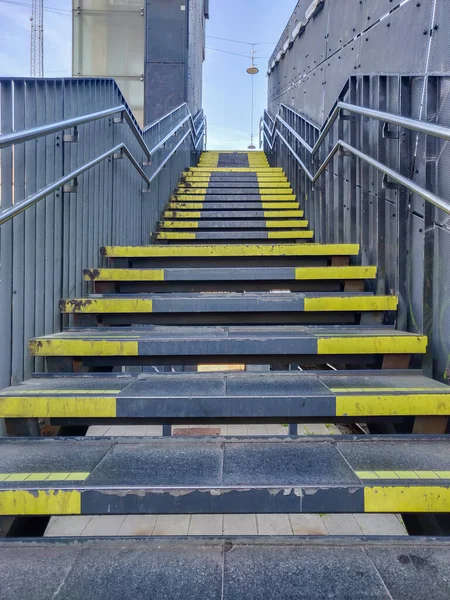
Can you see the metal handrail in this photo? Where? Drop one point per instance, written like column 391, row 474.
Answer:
column 412, row 124
column 20, row 207
column 172, row 152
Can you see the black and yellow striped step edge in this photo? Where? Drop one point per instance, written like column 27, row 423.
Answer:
column 229, row 214
column 233, row 205
column 256, row 170
column 300, row 234
column 248, row 395
column 220, row 475
column 258, row 190
column 232, row 197
column 230, row 250
column 220, row 224
column 185, row 341
column 243, row 178
column 261, row 302
column 233, row 274
column 211, row 184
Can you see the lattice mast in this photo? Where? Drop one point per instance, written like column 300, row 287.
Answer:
column 37, row 39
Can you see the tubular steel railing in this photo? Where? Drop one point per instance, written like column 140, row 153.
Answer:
column 376, row 173
column 64, row 192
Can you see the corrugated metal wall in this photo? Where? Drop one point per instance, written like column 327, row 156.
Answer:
column 395, row 57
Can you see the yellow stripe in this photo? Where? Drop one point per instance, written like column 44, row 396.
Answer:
column 388, row 405
column 306, row 235
column 352, row 390
column 351, row 303
column 174, row 235
column 180, row 215
column 235, row 170
column 234, row 250
column 55, row 392
column 268, row 214
column 188, row 205
column 127, row 275
column 48, row 476
column 105, row 305
column 278, row 205
column 335, row 273
column 62, row 347
column 274, row 197
column 41, row 406
column 292, row 224
column 193, row 190
column 386, row 344
column 40, row 502
column 403, row 474
column 179, row 225
column 199, row 198
column 399, row 499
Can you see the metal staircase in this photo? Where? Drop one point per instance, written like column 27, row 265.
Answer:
column 233, row 276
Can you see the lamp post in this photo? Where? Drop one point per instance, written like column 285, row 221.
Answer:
column 252, row 70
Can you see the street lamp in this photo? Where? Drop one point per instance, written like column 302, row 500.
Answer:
column 252, row 70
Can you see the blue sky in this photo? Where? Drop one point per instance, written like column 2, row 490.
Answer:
column 227, row 87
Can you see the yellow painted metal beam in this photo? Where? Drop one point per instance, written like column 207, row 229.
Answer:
column 107, row 305
column 126, row 275
column 70, row 347
column 57, row 406
column 404, row 499
column 40, row 502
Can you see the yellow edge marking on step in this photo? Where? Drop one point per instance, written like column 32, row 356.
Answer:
column 110, row 305
column 179, row 224
column 41, row 406
column 386, row 405
column 351, row 303
column 174, row 235
column 49, row 476
column 185, row 189
column 181, row 215
column 403, row 474
column 398, row 499
column 200, row 188
column 267, row 224
column 386, row 344
column 23, row 393
column 270, row 214
column 126, row 275
column 258, row 205
column 307, row 235
column 208, row 250
column 40, row 502
column 67, row 347
column 180, row 197
column 311, row 273
column 235, row 170
column 391, row 389
column 272, row 197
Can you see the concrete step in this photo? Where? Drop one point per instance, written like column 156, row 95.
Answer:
column 300, row 234
column 85, row 476
column 255, row 170
column 249, row 215
column 266, row 344
column 248, row 568
column 179, row 398
column 223, row 178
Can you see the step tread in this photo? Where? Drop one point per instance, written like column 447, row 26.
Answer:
column 234, row 250
column 232, row 274
column 213, row 396
column 235, row 235
column 224, row 224
column 247, row 568
column 310, row 474
column 167, row 340
column 247, row 302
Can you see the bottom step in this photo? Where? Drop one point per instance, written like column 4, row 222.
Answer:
column 226, row 569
